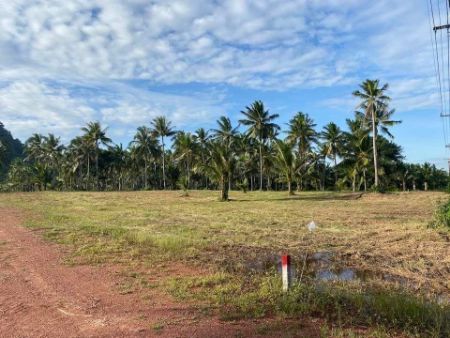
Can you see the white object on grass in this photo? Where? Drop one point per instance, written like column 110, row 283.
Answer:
column 311, row 226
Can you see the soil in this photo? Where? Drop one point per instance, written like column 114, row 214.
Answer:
column 40, row 296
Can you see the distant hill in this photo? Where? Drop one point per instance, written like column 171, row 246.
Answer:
column 12, row 148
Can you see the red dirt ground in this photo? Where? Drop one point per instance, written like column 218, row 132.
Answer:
column 42, row 297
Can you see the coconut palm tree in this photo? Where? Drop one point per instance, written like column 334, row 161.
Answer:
column 356, row 150
column 202, row 138
column 260, row 128
column 301, row 133
column 373, row 99
column 185, row 150
column 34, row 147
column 146, row 146
column 285, row 162
column 119, row 164
column 333, row 142
column 162, row 128
column 220, row 165
column 2, row 152
column 52, row 151
column 225, row 131
column 95, row 136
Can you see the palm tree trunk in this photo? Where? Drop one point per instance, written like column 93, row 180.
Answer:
column 290, row 188
column 188, row 175
column 96, row 164
column 374, row 145
column 365, row 180
column 224, row 184
column 335, row 169
column 323, row 175
column 260, row 167
column 163, row 163
column 96, row 170
column 88, row 172
column 145, row 174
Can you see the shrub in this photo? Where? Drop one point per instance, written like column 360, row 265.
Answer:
column 441, row 217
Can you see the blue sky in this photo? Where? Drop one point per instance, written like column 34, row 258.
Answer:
column 64, row 63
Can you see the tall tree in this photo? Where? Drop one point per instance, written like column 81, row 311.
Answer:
column 96, row 136
column 162, row 128
column 260, row 127
column 373, row 99
column 220, row 165
column 301, row 133
column 185, row 150
column 2, row 154
column 333, row 142
column 145, row 146
column 202, row 138
column 225, row 131
column 285, row 162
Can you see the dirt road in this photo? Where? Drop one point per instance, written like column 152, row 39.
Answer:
column 42, row 297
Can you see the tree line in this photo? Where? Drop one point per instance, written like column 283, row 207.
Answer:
column 251, row 155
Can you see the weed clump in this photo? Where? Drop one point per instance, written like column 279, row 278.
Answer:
column 441, row 216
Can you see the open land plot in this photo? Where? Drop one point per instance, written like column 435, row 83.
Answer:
column 222, row 258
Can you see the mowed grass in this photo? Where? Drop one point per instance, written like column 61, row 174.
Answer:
column 235, row 245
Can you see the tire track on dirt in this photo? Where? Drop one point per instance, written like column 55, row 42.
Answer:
column 41, row 297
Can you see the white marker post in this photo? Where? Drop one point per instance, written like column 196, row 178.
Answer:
column 286, row 272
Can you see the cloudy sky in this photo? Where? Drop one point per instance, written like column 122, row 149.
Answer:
column 123, row 62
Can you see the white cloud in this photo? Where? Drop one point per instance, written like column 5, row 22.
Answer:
column 268, row 45
column 28, row 107
column 37, row 106
column 263, row 44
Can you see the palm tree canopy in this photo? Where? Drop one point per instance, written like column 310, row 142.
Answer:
column 383, row 120
column 146, row 145
column 225, row 131
column 301, row 132
column 372, row 96
column 162, row 127
column 333, row 139
column 259, row 121
column 95, row 134
column 185, row 146
column 285, row 158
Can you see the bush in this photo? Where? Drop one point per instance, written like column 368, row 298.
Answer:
column 441, row 217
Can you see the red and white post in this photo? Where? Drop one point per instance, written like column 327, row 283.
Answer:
column 286, row 271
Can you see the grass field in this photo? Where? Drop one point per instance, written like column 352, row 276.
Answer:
column 371, row 261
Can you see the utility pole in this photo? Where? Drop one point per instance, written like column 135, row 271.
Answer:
column 444, row 115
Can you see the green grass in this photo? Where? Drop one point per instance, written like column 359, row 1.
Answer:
column 234, row 245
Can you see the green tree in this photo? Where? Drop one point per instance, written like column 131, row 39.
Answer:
column 373, row 100
column 146, row 146
column 220, row 165
column 202, row 138
column 285, row 162
column 301, row 133
column 95, row 136
column 185, row 151
column 163, row 128
column 333, row 143
column 260, row 128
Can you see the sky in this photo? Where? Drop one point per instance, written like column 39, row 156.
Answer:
column 65, row 63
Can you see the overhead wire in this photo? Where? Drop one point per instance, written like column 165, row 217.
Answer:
column 441, row 62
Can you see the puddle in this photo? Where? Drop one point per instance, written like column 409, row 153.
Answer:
column 321, row 266
column 345, row 275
